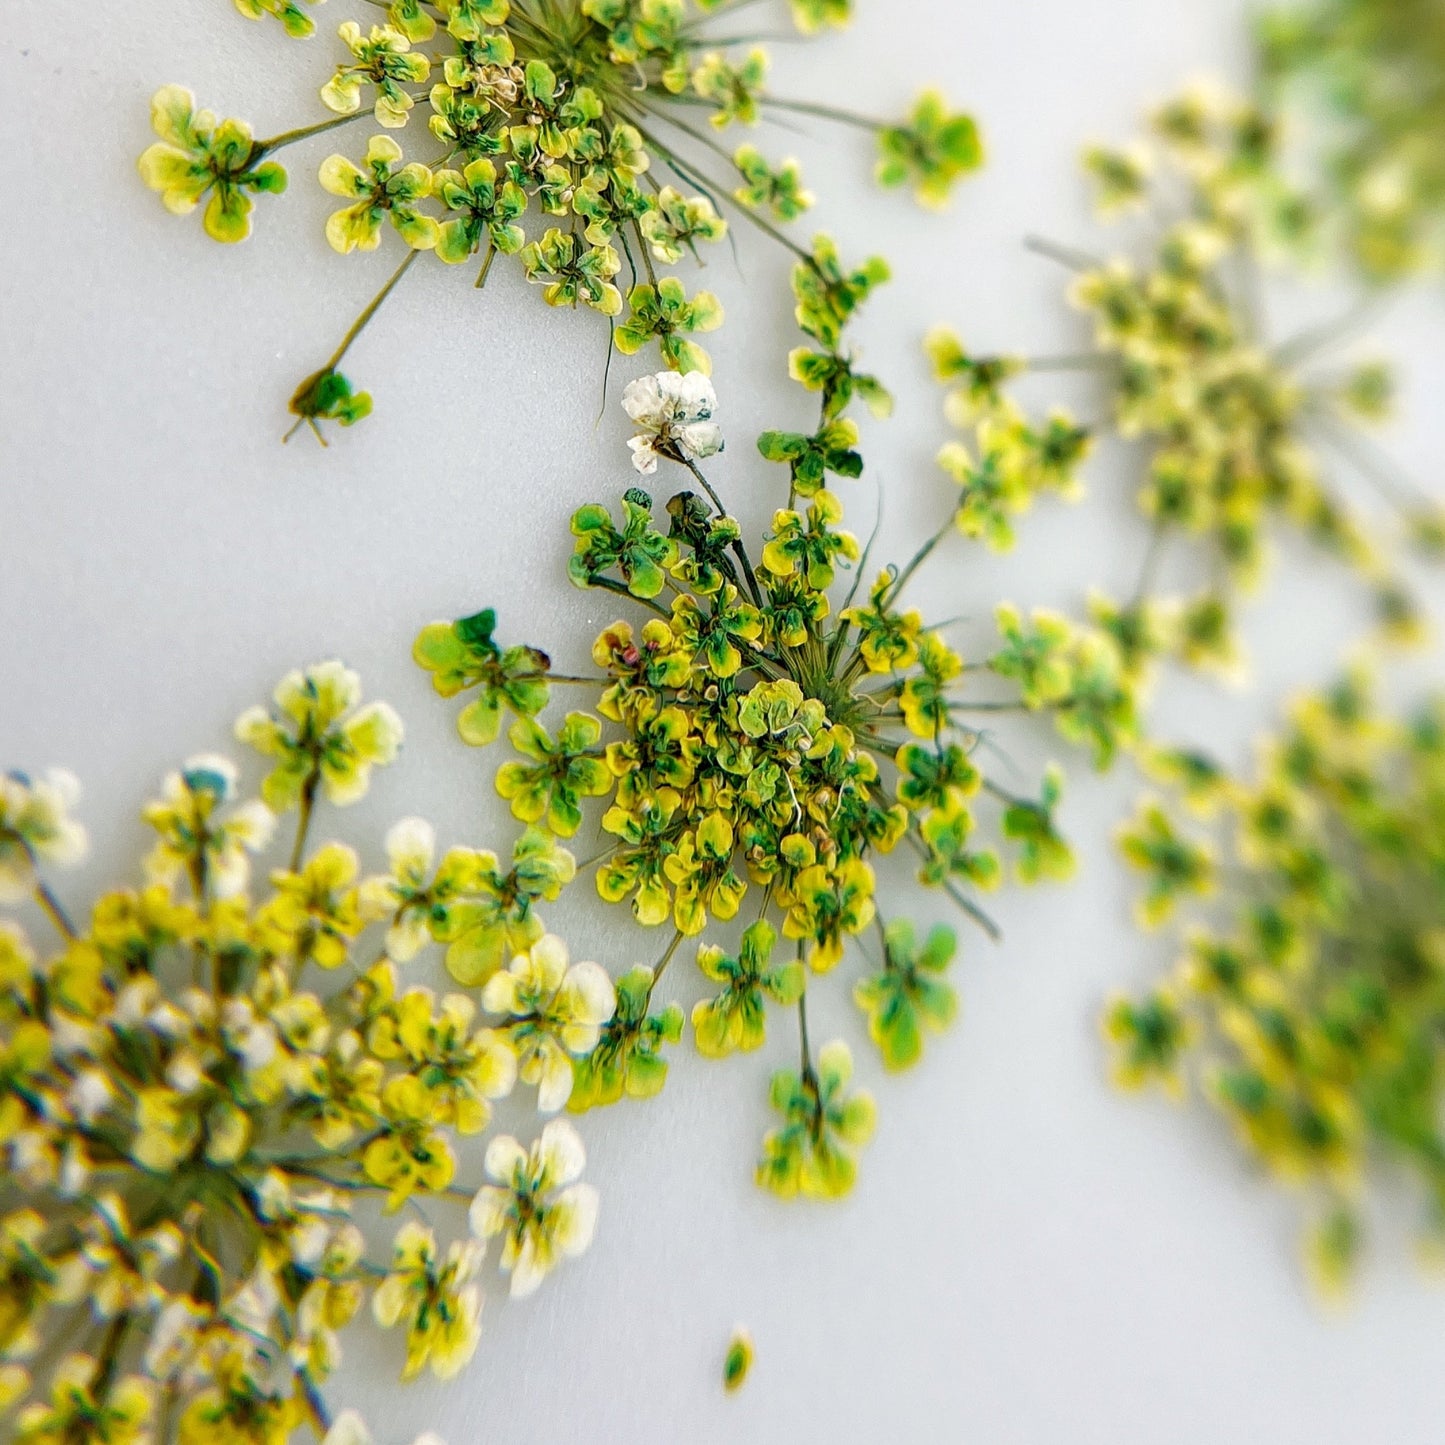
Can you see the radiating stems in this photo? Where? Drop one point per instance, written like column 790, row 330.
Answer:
column 918, row 559
column 826, row 112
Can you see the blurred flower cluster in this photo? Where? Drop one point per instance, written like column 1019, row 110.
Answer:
column 1371, row 76
column 1309, row 1002
column 1238, row 431
column 217, row 1084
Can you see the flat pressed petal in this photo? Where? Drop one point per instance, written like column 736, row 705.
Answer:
column 575, row 1213
column 342, row 177
column 562, row 1152
column 488, row 1213
column 503, row 1158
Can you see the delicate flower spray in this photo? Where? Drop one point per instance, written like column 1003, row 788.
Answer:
column 578, row 136
column 1367, row 78
column 762, row 736
column 209, row 1097
column 1239, row 433
column 1308, row 1004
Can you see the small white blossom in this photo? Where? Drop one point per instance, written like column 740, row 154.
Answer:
column 542, row 1213
column 674, row 416
column 35, row 826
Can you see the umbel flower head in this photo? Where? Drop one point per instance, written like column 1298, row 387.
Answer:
column 1368, row 77
column 1307, row 1003
column 764, row 734
column 1240, row 432
column 561, row 133
column 211, row 1082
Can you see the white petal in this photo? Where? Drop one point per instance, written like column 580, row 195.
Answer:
column 488, row 1212
column 503, row 1157
column 410, row 846
column 563, row 1154
column 556, row 1083
column 529, row 1271
column 576, row 1219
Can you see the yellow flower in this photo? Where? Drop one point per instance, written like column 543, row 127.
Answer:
column 435, row 1299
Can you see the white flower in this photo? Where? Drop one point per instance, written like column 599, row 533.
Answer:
column 556, row 1012
column 35, row 826
column 537, row 1206
column 674, row 414
column 348, row 1428
column 191, row 834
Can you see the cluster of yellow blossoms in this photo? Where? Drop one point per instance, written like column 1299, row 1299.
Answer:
column 1234, row 425
column 1310, row 999
column 758, row 745
column 202, row 1088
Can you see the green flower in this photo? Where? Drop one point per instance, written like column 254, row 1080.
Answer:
column 498, row 918
column 563, row 770
column 1043, row 853
column 778, row 189
column 932, row 149
column 735, row 89
column 935, row 777
column 664, row 312
column 1120, row 176
column 678, row 223
column 628, row 1057
column 908, row 996
column 385, row 190
column 462, row 655
column 810, row 547
column 467, row 20
column 1148, row 1038
column 946, row 833
column 734, row 1018
column 382, row 59
column 828, row 295
column 811, row 16
column 811, row 458
column 198, row 156
column 483, row 211
column 827, row 904
column 319, row 737
column 297, row 22
column 570, row 273
column 1174, row 867
column 327, row 395
column 638, row 553
column 812, row 1152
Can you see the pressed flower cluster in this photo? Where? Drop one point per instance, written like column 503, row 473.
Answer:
column 578, row 136
column 216, row 1082
column 1373, row 73
column 763, row 733
column 1238, row 432
column 1309, row 1002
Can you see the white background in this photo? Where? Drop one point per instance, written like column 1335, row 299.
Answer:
column 1027, row 1258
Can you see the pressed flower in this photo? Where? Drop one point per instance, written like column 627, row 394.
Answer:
column 760, row 738
column 198, row 156
column 433, row 1296
column 587, row 120
column 537, row 1204
column 321, row 738
column 383, row 190
column 552, row 1011
column 812, row 1151
column 674, row 413
column 35, row 826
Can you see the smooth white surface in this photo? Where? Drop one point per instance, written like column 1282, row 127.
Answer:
column 1027, row 1258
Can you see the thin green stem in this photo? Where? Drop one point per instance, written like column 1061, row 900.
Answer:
column 303, row 819
column 826, row 112
column 373, row 306
column 54, row 909
column 305, row 132
column 917, row 560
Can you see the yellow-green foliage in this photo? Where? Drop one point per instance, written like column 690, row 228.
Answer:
column 214, row 1084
